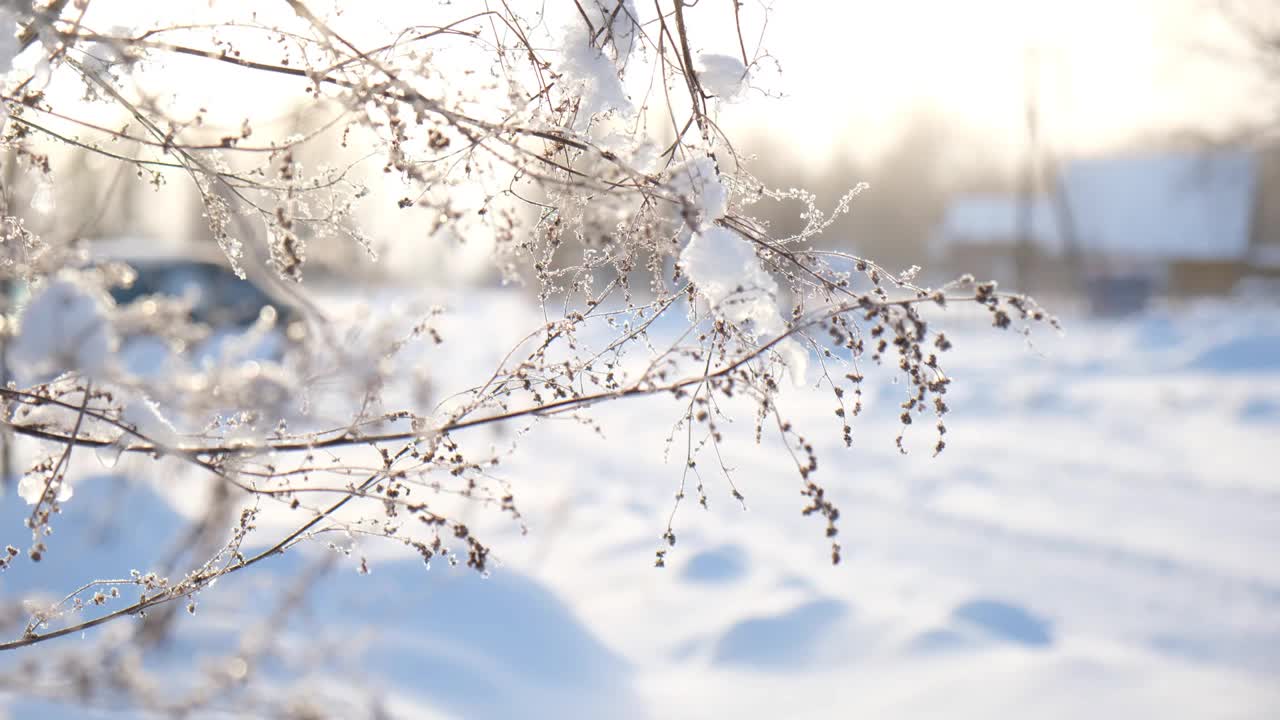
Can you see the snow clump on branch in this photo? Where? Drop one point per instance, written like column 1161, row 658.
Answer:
column 723, row 76
column 65, row 327
column 592, row 74
column 724, row 268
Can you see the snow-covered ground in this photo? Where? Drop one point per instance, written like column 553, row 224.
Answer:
column 1100, row 539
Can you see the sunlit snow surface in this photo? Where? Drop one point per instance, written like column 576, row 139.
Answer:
column 1100, row 539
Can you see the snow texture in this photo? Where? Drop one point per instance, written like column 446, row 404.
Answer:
column 698, row 181
column 31, row 489
column 18, row 65
column 146, row 415
column 592, row 74
column 723, row 76
column 727, row 273
column 622, row 28
column 65, row 327
column 1062, row 559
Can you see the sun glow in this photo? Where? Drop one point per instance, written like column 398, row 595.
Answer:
column 1106, row 71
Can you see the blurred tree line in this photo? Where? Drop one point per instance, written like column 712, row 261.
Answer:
column 911, row 180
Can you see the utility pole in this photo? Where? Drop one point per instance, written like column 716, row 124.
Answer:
column 1039, row 156
column 1024, row 224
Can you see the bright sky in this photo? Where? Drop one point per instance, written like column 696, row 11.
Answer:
column 1109, row 69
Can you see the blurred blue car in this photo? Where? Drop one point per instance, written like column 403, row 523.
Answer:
column 228, row 305
column 219, row 300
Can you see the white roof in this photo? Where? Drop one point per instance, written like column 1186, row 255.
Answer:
column 1158, row 206
column 992, row 219
column 1173, row 205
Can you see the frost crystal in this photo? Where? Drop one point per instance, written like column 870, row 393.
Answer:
column 64, row 327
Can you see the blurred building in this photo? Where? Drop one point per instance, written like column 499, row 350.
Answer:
column 1180, row 224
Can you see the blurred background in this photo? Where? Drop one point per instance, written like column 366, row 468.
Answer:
column 1101, row 150
column 1100, row 537
column 1065, row 148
